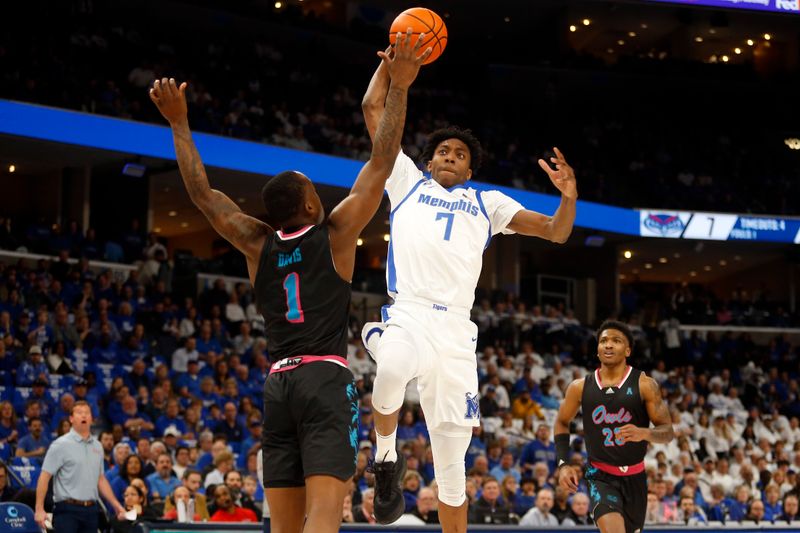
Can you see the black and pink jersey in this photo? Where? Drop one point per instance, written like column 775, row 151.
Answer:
column 304, row 301
column 607, row 407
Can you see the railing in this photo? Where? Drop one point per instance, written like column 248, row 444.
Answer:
column 119, row 271
column 760, row 335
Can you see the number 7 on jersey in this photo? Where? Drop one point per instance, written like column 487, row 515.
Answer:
column 449, row 227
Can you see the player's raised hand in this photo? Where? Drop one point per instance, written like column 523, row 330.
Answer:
column 170, row 99
column 406, row 60
column 631, row 433
column 563, row 177
column 568, row 478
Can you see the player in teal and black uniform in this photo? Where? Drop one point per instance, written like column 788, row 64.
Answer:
column 301, row 272
column 618, row 404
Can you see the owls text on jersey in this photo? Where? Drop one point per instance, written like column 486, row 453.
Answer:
column 438, row 235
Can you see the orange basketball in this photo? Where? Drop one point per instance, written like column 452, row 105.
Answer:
column 422, row 20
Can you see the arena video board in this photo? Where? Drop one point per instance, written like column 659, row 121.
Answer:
column 718, row 226
column 775, row 6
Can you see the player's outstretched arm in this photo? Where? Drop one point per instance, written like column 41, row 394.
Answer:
column 566, row 474
column 374, row 101
column 658, row 412
column 558, row 227
column 348, row 219
column 246, row 233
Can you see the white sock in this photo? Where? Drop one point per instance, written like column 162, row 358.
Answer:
column 387, row 447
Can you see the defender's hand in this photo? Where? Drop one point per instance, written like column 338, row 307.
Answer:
column 404, row 63
column 170, row 99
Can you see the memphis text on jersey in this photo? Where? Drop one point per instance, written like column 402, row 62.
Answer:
column 460, row 205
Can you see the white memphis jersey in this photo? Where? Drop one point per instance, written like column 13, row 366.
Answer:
column 438, row 236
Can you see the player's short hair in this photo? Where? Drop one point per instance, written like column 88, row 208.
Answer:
column 282, row 196
column 619, row 326
column 454, row 132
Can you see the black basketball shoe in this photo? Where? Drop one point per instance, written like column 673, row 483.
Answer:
column 389, row 502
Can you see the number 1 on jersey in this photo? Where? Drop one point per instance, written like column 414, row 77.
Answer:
column 291, row 284
column 449, row 227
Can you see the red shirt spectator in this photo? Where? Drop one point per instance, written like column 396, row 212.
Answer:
column 227, row 510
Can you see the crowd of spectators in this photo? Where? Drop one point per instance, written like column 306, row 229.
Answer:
column 752, row 304
column 176, row 383
column 176, row 387
column 307, row 96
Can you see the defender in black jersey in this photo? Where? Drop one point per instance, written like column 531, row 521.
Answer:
column 301, row 272
column 618, row 404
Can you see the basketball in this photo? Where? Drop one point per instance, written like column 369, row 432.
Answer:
column 422, row 20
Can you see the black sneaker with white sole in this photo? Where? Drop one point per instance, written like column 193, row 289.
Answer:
column 389, row 502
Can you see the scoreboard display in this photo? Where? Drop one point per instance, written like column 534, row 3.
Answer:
column 775, row 6
column 718, row 226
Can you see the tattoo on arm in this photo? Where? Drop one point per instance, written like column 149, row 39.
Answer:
column 390, row 129
column 662, row 434
column 191, row 166
column 225, row 216
column 660, row 416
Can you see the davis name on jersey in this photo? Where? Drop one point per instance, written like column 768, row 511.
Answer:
column 438, row 235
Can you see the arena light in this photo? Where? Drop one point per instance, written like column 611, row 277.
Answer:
column 12, row 168
column 173, row 213
column 767, row 36
column 723, row 263
column 676, row 255
column 241, row 200
column 631, row 34
column 725, row 59
column 386, row 237
column 648, row 266
column 662, row 260
column 692, row 273
column 707, row 268
column 157, row 230
column 573, row 28
column 698, row 39
column 278, row 5
column 184, row 224
column 621, row 42
column 792, row 143
column 750, row 42
column 586, row 22
column 359, row 242
column 627, row 254
column 644, row 26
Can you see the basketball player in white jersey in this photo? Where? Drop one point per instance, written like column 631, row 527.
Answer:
column 439, row 228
